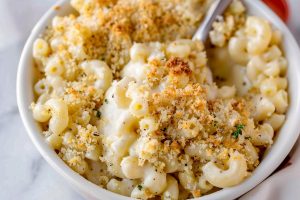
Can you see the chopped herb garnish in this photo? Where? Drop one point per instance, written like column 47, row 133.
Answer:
column 164, row 129
column 238, row 131
column 105, row 100
column 140, row 187
column 98, row 114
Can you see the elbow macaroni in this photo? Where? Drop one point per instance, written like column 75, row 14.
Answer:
column 236, row 172
column 59, row 115
column 101, row 71
column 259, row 34
column 237, row 48
column 172, row 191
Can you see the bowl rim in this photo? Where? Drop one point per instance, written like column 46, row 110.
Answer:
column 97, row 192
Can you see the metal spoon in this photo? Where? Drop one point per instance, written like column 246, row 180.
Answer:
column 216, row 9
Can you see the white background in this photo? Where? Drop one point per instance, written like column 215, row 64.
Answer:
column 24, row 174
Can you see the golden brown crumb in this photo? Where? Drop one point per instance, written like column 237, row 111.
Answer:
column 178, row 66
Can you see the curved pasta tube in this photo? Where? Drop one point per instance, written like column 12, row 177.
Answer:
column 190, row 182
column 123, row 187
column 40, row 48
column 280, row 101
column 155, row 181
column 264, row 108
column 139, row 52
column 234, row 175
column 128, row 123
column 179, row 48
column 59, row 115
column 56, row 43
column 237, row 48
column 283, row 65
column 43, row 98
column 133, row 149
column 54, row 67
column 121, row 145
column 276, row 121
column 254, row 68
column 81, row 167
column 187, row 180
column 272, row 68
column 259, row 34
column 138, row 107
column 272, row 53
column 97, row 173
column 157, row 51
column 263, row 135
column 131, row 169
column 41, row 113
column 55, row 141
column 115, row 149
column 121, row 87
column 172, row 191
column 204, row 185
column 268, row 87
column 118, row 122
column 113, row 161
column 148, row 125
column 42, row 86
column 102, row 72
column 251, row 153
column 136, row 70
column 57, row 84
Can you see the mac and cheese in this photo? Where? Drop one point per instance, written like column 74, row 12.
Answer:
column 131, row 103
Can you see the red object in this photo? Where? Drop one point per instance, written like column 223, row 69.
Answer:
column 280, row 7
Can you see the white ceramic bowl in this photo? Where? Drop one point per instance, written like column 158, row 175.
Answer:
column 281, row 147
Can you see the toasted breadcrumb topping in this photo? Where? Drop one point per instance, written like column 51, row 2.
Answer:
column 178, row 66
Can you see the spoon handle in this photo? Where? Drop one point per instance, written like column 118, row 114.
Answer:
column 216, row 9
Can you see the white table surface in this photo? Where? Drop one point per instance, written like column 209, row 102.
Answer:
column 24, row 174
